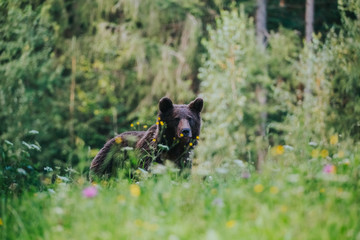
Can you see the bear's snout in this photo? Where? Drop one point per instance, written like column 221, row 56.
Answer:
column 184, row 129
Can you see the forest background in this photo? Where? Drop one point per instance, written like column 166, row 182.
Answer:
column 78, row 72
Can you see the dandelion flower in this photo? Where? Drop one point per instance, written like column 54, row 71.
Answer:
column 329, row 168
column 157, row 123
column 258, row 188
column 154, row 140
column 274, row 190
column 135, row 190
column 190, row 144
column 90, row 192
column 278, row 150
column 230, row 223
column 197, row 137
column 159, row 118
column 334, row 139
column 341, row 154
column 121, row 199
column 145, row 126
column 132, row 125
column 118, row 140
column 137, row 123
column 324, row 153
column 181, row 135
column 315, row 153
column 161, row 123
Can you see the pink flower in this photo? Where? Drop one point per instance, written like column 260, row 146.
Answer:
column 90, row 192
column 329, row 168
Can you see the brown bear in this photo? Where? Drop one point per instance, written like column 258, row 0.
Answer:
column 172, row 138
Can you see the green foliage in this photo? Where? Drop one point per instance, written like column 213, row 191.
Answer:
column 18, row 173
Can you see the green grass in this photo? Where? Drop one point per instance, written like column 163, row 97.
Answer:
column 287, row 200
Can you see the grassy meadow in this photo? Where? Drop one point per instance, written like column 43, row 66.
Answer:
column 289, row 199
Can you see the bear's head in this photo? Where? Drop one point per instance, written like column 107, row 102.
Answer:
column 180, row 122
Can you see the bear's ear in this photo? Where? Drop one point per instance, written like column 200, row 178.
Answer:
column 165, row 104
column 196, row 105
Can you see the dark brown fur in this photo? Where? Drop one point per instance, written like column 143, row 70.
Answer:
column 178, row 127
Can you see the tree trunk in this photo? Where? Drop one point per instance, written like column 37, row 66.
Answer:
column 261, row 30
column 309, row 20
column 261, row 94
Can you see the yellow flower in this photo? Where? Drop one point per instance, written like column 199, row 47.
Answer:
column 258, row 188
column 315, row 153
column 341, row 154
column 322, row 190
column 132, row 125
column 157, row 123
column 181, row 135
column 154, row 140
column 274, row 190
column 145, row 126
column 121, row 199
column 118, row 140
column 230, row 223
column 334, row 139
column 137, row 123
column 278, row 150
column 162, row 123
column 1, row 222
column 213, row 191
column 197, row 137
column 190, row 144
column 135, row 190
column 283, row 208
column 159, row 118
column 46, row 181
column 324, row 153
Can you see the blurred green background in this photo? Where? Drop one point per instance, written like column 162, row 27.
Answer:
column 79, row 72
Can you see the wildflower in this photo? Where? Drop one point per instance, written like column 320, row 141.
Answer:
column 46, row 181
column 213, row 191
column 181, row 135
column 132, row 125
column 118, row 140
column 341, row 154
column 274, row 190
column 154, row 140
column 145, row 126
column 218, row 202
column 230, row 223
column 159, row 118
column 161, row 123
column 278, row 150
column 90, row 192
column 283, row 208
column 315, row 153
column 157, row 123
column 245, row 175
column 48, row 169
column 190, row 144
column 135, row 190
column 197, row 137
column 329, row 168
column 324, row 153
column 258, row 188
column 121, row 199
column 345, row 162
column 137, row 123
column 1, row 222
column 322, row 190
column 334, row 139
